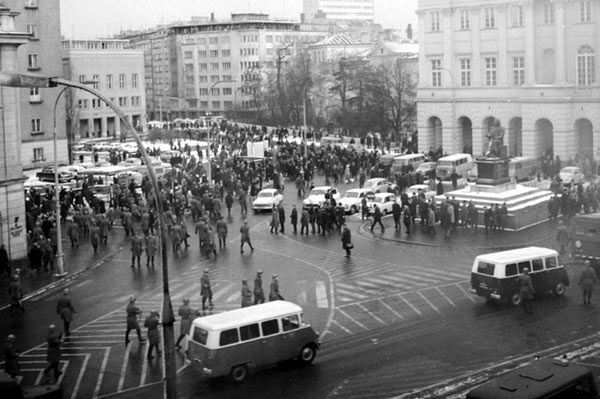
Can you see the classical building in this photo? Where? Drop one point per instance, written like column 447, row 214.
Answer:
column 200, row 67
column 530, row 64
column 115, row 70
column 356, row 10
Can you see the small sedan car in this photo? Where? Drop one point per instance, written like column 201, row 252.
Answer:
column 380, row 185
column 47, row 174
column 420, row 188
column 267, row 200
column 352, row 201
column 571, row 175
column 384, row 202
column 316, row 197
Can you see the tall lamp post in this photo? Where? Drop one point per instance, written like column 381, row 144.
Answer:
column 304, row 115
column 168, row 318
column 453, row 106
column 209, row 166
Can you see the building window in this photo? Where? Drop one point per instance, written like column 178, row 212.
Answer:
column 38, row 154
column 490, row 71
column 226, row 65
column 31, row 3
column 227, row 91
column 214, row 66
column 203, row 66
column 202, row 54
column 121, row 81
column 436, row 73
column 214, row 78
column 214, row 53
column 435, row 21
column 203, row 104
column 33, row 61
column 203, row 79
column 122, row 101
column 518, row 71
column 516, row 15
column 548, row 13
column 188, row 67
column 82, row 79
column 228, row 105
column 465, row 20
column 188, row 55
column 585, row 66
column 213, row 40
column 269, row 38
column 96, row 79
column 465, row 72
column 216, row 104
column 489, row 18
column 585, row 11
column 226, row 77
column 34, row 95
column 134, row 80
column 225, row 53
column 109, row 82
column 36, row 125
column 189, row 92
column 203, row 91
column 33, row 31
column 215, row 91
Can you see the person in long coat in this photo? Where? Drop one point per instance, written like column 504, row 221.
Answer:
column 151, row 244
column 563, row 236
column 246, row 294
column 151, row 323
column 587, row 280
column 137, row 246
column 73, row 232
column 259, row 294
column 281, row 212
column 275, row 221
column 294, row 218
column 133, row 312
column 64, row 307
column 222, row 232
column 94, row 236
column 205, row 290
column 526, row 290
column 187, row 315
column 274, row 294
column 11, row 357
column 53, row 352
column 347, row 240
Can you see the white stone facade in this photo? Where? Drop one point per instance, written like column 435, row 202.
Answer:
column 533, row 65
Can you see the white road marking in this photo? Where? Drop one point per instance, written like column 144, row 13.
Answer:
column 355, row 321
column 438, row 273
column 467, row 294
column 419, row 278
column 322, row 300
column 144, row 366
column 445, row 296
column 235, row 297
column 428, row 301
column 340, row 326
column 80, row 376
column 351, row 294
column 182, row 294
column 372, row 314
column 101, row 372
column 387, row 282
column 398, row 315
column 223, row 290
column 404, row 279
column 124, row 367
column 417, row 311
column 301, row 296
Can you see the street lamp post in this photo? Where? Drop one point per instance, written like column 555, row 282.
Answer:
column 304, row 116
column 209, row 166
column 168, row 317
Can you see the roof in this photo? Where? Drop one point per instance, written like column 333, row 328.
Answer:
column 247, row 315
column 454, row 157
column 269, row 190
column 323, row 188
column 359, row 190
column 409, row 156
column 514, row 255
column 338, row 40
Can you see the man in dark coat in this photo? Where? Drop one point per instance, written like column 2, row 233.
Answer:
column 377, row 218
column 526, row 290
column 64, row 307
column 246, row 294
column 587, row 280
column 151, row 323
column 396, row 212
column 304, row 217
column 15, row 293
column 440, row 188
column 137, row 247
column 222, row 232
column 133, row 312
column 407, row 219
column 281, row 211
column 53, row 340
column 294, row 219
column 259, row 294
column 274, row 294
column 11, row 357
column 347, row 240
column 205, row 290
column 187, row 316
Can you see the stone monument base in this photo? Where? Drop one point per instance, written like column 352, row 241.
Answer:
column 492, row 171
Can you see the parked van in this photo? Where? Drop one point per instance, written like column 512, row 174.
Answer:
column 462, row 163
column 413, row 160
column 542, row 379
column 522, row 168
column 231, row 343
column 585, row 231
column 494, row 276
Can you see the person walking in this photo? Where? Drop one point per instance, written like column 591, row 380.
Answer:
column 15, row 293
column 347, row 240
column 563, row 236
column 587, row 280
column 304, row 222
column 73, row 232
column 377, row 218
column 11, row 357
column 275, row 221
column 94, row 236
column 64, row 307
column 407, row 219
column 526, row 290
column 245, row 233
column 246, row 294
column 281, row 212
column 396, row 213
column 431, row 220
column 228, row 202
column 187, row 315
column 222, row 232
column 364, row 208
column 151, row 323
column 133, row 312
column 53, row 352
column 259, row 294
column 205, row 290
column 274, row 294
column 294, row 219
column 151, row 244
column 136, row 249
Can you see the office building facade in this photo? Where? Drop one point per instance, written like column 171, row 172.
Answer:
column 344, row 10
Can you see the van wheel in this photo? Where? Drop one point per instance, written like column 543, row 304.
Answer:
column 560, row 288
column 515, row 299
column 239, row 373
column 307, row 354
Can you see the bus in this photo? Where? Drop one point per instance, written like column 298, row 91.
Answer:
column 585, row 230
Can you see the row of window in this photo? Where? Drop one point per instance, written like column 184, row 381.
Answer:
column 206, row 54
column 203, row 91
column 97, row 103
column 95, row 79
column 516, row 15
column 253, row 331
column 585, row 70
column 227, row 105
column 213, row 78
column 203, row 66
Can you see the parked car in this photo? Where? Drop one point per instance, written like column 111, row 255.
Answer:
column 571, row 175
column 353, row 199
column 47, row 174
column 267, row 200
column 380, row 185
column 316, row 197
column 384, row 201
column 421, row 188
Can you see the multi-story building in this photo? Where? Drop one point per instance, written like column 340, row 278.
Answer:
column 115, row 70
column 201, row 67
column 334, row 47
column 529, row 64
column 36, row 106
column 356, row 10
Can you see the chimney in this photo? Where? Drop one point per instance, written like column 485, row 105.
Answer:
column 409, row 32
column 212, row 17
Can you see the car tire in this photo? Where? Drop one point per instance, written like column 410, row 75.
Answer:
column 515, row 299
column 307, row 354
column 239, row 373
column 559, row 289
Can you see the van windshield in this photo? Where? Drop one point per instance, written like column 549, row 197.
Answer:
column 200, row 335
column 446, row 163
column 486, row 268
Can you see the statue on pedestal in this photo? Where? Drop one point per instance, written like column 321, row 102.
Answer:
column 496, row 140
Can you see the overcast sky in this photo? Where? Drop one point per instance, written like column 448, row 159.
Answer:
column 101, row 18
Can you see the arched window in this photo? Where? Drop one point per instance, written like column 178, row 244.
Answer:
column 585, row 66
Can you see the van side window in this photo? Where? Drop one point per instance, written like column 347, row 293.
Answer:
column 249, row 332
column 523, row 265
column 511, row 269
column 200, row 335
column 269, row 327
column 538, row 264
column 290, row 322
column 551, row 263
column 228, row 337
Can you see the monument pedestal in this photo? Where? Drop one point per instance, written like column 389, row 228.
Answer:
column 492, row 171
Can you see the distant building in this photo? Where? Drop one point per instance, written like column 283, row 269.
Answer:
column 356, row 10
column 532, row 65
column 391, row 52
column 333, row 48
column 115, row 70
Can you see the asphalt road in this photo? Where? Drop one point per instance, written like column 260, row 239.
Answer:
column 393, row 317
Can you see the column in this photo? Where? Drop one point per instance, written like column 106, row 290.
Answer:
column 476, row 47
column 103, row 127
column 529, row 44
column 560, row 53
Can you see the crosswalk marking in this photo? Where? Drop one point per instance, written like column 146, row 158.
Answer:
column 393, row 283
column 80, row 376
column 352, row 319
column 468, row 295
column 372, row 314
column 102, row 371
column 417, row 311
column 124, row 368
column 223, row 290
column 428, row 301
column 441, row 276
column 405, row 279
column 341, row 327
column 445, row 296
column 322, row 301
column 437, row 273
column 183, row 293
column 349, row 295
column 419, row 278
column 388, row 307
column 235, row 297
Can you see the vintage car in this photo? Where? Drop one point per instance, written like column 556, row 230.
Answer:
column 380, row 185
column 353, row 199
column 316, row 197
column 384, row 202
column 267, row 200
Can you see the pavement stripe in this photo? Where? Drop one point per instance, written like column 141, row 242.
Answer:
column 351, row 319
column 437, row 273
column 467, row 294
column 417, row 311
column 124, row 368
column 372, row 314
column 428, row 301
column 419, row 278
column 322, row 299
column 101, row 373
column 341, row 326
column 183, row 293
column 403, row 278
column 353, row 294
column 441, row 275
column 234, row 298
column 393, row 284
column 445, row 296
column 388, row 307
column 223, row 290
column 80, row 376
